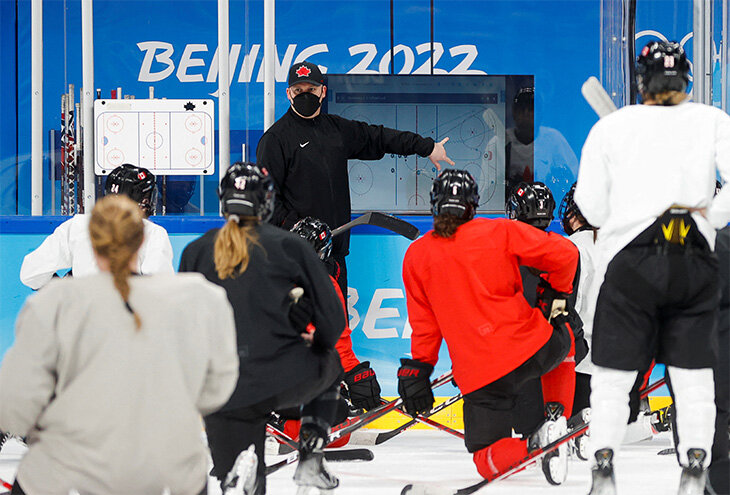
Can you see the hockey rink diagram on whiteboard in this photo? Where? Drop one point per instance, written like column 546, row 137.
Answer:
column 471, row 117
column 168, row 137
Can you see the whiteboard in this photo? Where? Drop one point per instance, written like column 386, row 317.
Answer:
column 167, row 137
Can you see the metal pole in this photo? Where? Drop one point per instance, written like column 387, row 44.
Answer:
column 269, row 66
column 36, row 108
column 725, row 54
column 701, row 52
column 224, row 102
column 87, row 103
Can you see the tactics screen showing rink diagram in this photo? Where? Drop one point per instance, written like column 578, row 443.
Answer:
column 469, row 110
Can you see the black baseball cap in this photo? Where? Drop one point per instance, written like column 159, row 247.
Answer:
column 305, row 72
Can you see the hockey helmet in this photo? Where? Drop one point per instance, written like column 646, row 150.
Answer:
column 454, row 192
column 531, row 202
column 662, row 66
column 317, row 233
column 247, row 190
column 137, row 183
column 568, row 210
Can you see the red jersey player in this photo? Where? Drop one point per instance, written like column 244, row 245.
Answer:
column 463, row 286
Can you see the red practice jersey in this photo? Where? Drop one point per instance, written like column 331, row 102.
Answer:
column 467, row 290
column 344, row 345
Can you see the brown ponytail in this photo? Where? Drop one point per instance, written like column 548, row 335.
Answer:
column 446, row 225
column 665, row 98
column 116, row 230
column 232, row 245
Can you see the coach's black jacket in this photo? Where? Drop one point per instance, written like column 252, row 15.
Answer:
column 308, row 161
column 273, row 357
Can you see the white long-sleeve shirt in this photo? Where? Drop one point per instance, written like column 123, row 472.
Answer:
column 69, row 246
column 110, row 409
column 585, row 304
column 640, row 160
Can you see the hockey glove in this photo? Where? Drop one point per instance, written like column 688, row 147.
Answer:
column 551, row 302
column 363, row 386
column 414, row 386
column 301, row 313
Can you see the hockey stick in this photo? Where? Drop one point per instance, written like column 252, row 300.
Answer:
column 422, row 418
column 5, row 484
column 341, row 455
column 352, row 424
column 383, row 220
column 597, row 97
column 418, row 489
column 281, row 437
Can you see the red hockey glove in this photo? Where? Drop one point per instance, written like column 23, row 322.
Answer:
column 414, row 386
column 363, row 387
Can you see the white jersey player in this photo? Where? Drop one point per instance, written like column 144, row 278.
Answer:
column 647, row 179
column 69, row 245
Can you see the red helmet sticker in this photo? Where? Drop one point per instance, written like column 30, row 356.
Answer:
column 303, row 71
column 322, row 235
column 141, row 175
column 520, row 192
column 645, row 51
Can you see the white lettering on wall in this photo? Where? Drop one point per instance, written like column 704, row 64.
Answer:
column 352, row 298
column 187, row 61
column 375, row 312
column 150, row 47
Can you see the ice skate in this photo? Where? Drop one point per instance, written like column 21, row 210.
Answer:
column 241, row 479
column 555, row 463
column 312, row 471
column 579, row 445
column 604, row 482
column 693, row 477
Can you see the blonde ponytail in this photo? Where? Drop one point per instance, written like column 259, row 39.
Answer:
column 116, row 230
column 233, row 244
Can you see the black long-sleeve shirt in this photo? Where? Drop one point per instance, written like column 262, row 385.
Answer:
column 308, row 160
column 272, row 355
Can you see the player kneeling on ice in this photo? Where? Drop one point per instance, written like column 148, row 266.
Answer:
column 109, row 373
column 463, row 285
column 281, row 366
column 360, row 388
column 658, row 276
column 69, row 245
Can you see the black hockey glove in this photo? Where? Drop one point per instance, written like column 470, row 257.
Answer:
column 363, row 386
column 301, row 313
column 574, row 325
column 414, row 386
column 551, row 302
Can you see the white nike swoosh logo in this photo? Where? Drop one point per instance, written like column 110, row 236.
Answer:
column 302, row 145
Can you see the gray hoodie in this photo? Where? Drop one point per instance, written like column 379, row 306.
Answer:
column 108, row 409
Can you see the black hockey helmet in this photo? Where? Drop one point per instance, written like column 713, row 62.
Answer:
column 247, row 190
column 137, row 183
column 531, row 202
column 568, row 210
column 454, row 192
column 317, row 233
column 662, row 66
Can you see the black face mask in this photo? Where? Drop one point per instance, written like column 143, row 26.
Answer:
column 306, row 104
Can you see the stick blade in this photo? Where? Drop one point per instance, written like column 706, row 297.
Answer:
column 597, row 98
column 394, row 224
column 420, row 489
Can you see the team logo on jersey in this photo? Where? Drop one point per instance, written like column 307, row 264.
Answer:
column 676, row 232
column 303, row 71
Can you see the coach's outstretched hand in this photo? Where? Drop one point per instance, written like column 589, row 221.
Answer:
column 439, row 154
column 414, row 386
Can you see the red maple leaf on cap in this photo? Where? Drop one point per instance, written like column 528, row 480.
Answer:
column 303, row 71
